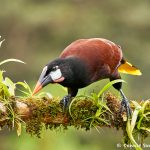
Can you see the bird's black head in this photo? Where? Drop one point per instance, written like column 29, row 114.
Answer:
column 51, row 73
column 65, row 71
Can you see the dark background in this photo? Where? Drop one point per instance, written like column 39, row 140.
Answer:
column 36, row 31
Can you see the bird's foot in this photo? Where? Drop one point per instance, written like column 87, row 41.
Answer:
column 125, row 105
column 65, row 102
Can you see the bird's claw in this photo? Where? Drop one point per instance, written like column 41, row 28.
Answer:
column 65, row 102
column 125, row 105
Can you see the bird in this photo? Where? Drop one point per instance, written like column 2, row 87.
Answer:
column 84, row 62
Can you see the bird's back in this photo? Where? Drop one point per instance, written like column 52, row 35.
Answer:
column 95, row 52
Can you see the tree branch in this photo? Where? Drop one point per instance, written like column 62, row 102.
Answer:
column 84, row 112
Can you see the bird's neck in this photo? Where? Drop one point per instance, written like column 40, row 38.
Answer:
column 79, row 71
column 77, row 65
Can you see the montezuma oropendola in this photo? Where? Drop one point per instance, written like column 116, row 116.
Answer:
column 86, row 61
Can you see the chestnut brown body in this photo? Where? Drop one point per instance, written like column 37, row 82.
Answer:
column 101, row 56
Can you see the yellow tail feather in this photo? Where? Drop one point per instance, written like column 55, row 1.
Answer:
column 128, row 68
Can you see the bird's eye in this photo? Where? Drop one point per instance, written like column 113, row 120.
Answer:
column 55, row 68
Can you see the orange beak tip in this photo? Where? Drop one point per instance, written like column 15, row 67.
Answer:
column 37, row 88
column 33, row 93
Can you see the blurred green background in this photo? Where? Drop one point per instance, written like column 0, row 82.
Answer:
column 36, row 31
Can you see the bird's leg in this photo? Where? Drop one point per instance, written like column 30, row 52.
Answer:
column 118, row 86
column 125, row 105
column 65, row 102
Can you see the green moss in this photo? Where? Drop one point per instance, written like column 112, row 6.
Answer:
column 41, row 109
column 82, row 115
column 83, row 109
column 34, row 127
column 47, row 114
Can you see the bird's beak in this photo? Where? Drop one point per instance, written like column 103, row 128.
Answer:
column 37, row 88
column 42, row 82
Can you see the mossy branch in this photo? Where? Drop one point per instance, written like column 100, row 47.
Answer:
column 37, row 113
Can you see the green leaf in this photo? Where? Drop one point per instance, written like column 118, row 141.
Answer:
column 11, row 86
column 18, row 128
column 1, row 76
column 103, row 120
column 142, row 114
column 107, row 86
column 4, row 92
column 49, row 95
column 139, row 122
column 26, row 86
column 134, row 118
column 144, row 105
column 22, row 84
column 11, row 60
column 130, row 135
column 70, row 108
column 103, row 104
column 94, row 97
column 64, row 88
column 147, row 129
column 148, row 113
column 136, row 104
column 98, row 112
column 26, row 93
